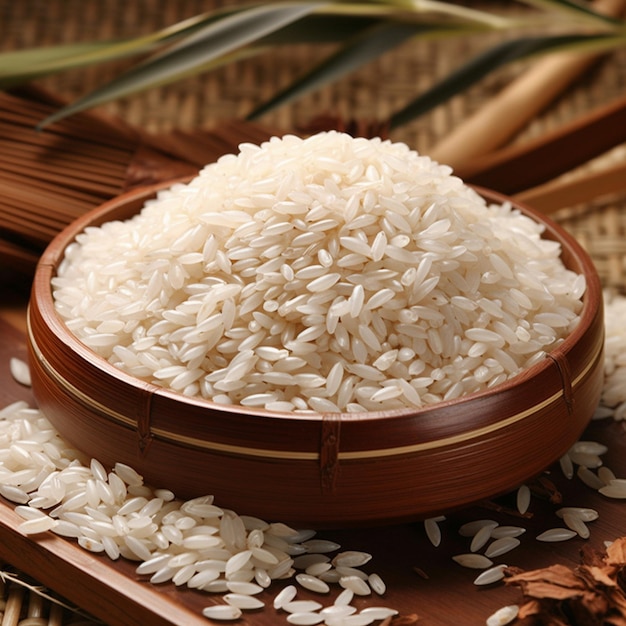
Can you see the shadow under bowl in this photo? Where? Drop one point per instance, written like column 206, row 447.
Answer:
column 325, row 470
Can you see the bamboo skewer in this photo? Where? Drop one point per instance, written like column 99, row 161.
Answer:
column 519, row 167
column 505, row 114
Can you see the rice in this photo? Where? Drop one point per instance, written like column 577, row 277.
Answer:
column 556, row 534
column 501, row 546
column 309, row 274
column 504, row 615
column 193, row 543
column 491, row 575
column 473, row 560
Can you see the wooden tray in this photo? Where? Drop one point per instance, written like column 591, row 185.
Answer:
column 111, row 591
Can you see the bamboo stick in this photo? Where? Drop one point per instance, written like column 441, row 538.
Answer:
column 13, row 606
column 74, row 153
column 555, row 195
column 505, row 114
column 522, row 166
column 76, row 180
column 72, row 198
column 39, row 166
column 35, row 605
column 56, row 615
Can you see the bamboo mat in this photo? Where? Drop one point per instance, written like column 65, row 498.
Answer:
column 24, row 602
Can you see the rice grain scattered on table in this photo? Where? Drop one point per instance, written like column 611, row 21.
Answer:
column 194, row 543
column 327, row 274
column 492, row 575
column 501, row 546
column 556, row 534
column 503, row 616
column 20, row 371
column 35, row 488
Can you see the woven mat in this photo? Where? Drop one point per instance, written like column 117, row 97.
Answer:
column 370, row 94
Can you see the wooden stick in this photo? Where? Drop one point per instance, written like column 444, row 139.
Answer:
column 83, row 182
column 81, row 143
column 73, row 198
column 560, row 194
column 13, row 607
column 522, row 166
column 56, row 615
column 41, row 167
column 35, row 605
column 32, row 232
column 508, row 112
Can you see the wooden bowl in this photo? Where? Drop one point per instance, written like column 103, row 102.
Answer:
column 324, row 470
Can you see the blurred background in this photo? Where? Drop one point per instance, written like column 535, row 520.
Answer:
column 362, row 101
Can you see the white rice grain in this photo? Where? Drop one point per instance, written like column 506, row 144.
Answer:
column 469, row 529
column 501, row 546
column 473, row 560
column 310, row 253
column 507, row 531
column 589, row 478
column 301, row 606
column 304, row 619
column 320, row 546
column 20, row 371
column 37, row 525
column 523, row 499
column 480, row 539
column 583, row 513
column 377, row 584
column 344, row 598
column 606, row 475
column 222, row 612
column 556, row 534
column 336, row 612
column 351, row 558
column 433, row 532
column 243, row 601
column 567, row 467
column 378, row 612
column 616, row 489
column 503, row 616
column 575, row 523
column 312, row 583
column 489, row 576
column 284, row 596
column 355, row 584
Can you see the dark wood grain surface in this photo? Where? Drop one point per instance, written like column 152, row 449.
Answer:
column 421, row 579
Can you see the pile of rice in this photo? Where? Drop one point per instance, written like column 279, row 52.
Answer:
column 323, row 274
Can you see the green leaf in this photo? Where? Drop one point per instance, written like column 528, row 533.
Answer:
column 331, row 22
column 19, row 66
column 362, row 49
column 583, row 11
column 319, row 28
column 492, row 59
column 219, row 37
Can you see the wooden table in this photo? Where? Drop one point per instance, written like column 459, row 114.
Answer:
column 420, row 578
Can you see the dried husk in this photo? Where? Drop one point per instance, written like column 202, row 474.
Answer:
column 590, row 594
